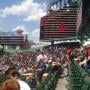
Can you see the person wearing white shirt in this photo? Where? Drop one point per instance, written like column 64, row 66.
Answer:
column 41, row 55
column 23, row 84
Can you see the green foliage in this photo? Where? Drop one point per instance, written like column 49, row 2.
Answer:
column 84, row 32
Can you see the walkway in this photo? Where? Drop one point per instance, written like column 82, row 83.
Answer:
column 61, row 85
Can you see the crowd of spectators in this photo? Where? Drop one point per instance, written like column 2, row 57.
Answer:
column 36, row 66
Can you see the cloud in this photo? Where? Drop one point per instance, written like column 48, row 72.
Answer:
column 35, row 16
column 22, row 27
column 35, row 35
column 28, row 9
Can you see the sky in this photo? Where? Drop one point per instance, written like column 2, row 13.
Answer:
column 23, row 14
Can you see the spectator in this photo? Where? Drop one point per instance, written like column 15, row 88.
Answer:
column 40, row 66
column 87, row 66
column 23, row 85
column 11, row 84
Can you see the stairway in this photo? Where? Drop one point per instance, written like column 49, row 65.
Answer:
column 62, row 82
column 60, row 24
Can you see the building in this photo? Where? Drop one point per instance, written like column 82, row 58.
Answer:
column 61, row 24
column 14, row 39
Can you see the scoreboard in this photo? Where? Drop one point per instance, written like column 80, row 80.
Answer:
column 60, row 24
